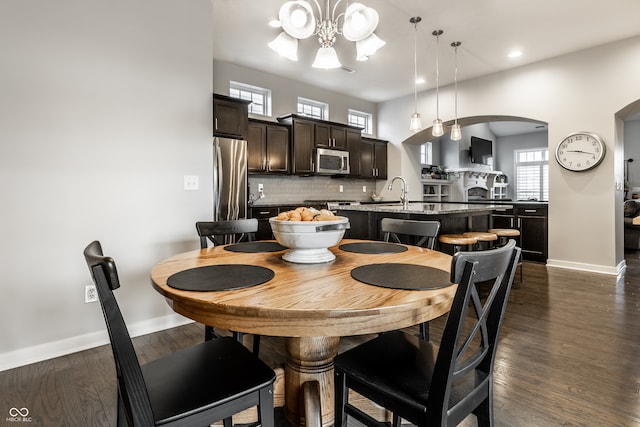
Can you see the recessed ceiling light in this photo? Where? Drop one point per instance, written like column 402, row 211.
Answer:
column 275, row 23
column 515, row 54
column 420, row 80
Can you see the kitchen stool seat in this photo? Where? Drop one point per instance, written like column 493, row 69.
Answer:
column 504, row 234
column 485, row 239
column 458, row 241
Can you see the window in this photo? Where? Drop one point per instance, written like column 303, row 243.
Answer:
column 360, row 119
column 532, row 174
column 426, row 153
column 260, row 98
column 314, row 109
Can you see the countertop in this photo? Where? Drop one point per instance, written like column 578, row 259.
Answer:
column 423, row 208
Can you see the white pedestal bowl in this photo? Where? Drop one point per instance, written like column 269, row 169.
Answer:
column 308, row 241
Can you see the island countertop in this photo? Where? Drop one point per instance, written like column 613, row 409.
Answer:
column 424, row 208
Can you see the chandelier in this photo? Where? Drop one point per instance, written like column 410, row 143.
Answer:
column 298, row 22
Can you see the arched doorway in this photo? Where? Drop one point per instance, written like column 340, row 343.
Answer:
column 509, row 135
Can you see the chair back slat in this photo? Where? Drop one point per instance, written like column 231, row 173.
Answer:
column 426, row 231
column 223, row 232
column 468, row 344
column 130, row 380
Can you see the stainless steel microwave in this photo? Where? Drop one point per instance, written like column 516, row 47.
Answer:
column 332, row 162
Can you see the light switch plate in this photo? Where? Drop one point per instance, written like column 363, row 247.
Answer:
column 191, row 182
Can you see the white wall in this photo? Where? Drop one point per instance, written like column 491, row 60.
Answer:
column 580, row 91
column 104, row 106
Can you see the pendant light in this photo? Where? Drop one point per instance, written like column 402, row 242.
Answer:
column 438, row 128
column 416, row 121
column 456, row 132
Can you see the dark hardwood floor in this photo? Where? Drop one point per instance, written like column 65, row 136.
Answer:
column 569, row 355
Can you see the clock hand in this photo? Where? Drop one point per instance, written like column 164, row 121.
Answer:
column 578, row 151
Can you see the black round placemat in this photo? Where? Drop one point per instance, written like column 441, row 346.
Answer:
column 223, row 277
column 255, row 247
column 373, row 248
column 401, row 276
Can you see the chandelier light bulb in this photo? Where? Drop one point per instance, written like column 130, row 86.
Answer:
column 298, row 18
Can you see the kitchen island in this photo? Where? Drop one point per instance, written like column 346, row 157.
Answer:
column 453, row 217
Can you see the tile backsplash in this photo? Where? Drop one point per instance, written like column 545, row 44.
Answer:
column 296, row 189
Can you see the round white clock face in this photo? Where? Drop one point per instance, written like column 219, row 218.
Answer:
column 580, row 151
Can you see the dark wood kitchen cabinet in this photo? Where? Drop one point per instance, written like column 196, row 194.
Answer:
column 262, row 214
column 531, row 221
column 330, row 136
column 373, row 158
column 302, row 144
column 267, row 148
column 354, row 140
column 230, row 116
column 308, row 134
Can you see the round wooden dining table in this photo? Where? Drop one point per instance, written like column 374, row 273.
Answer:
column 312, row 305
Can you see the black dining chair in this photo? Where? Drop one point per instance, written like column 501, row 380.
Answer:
column 427, row 384
column 220, row 233
column 196, row 386
column 424, row 233
column 223, row 232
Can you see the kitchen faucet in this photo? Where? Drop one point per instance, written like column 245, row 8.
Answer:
column 403, row 191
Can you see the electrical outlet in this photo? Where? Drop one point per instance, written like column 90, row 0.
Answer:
column 191, row 182
column 364, row 188
column 90, row 294
column 341, row 188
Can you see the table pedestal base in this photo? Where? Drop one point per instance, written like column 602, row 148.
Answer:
column 310, row 359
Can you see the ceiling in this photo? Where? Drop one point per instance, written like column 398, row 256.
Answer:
column 488, row 30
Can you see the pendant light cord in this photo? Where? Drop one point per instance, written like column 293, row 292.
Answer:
column 437, row 33
column 415, row 65
column 455, row 77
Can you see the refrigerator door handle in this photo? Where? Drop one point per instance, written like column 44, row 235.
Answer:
column 217, row 161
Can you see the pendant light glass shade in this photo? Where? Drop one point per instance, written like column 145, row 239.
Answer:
column 456, row 132
column 438, row 128
column 326, row 58
column 416, row 121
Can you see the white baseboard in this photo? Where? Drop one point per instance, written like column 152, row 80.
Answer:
column 614, row 271
column 40, row 352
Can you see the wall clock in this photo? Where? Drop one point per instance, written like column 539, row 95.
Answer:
column 580, row 151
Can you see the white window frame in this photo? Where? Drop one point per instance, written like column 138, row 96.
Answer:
column 537, row 159
column 260, row 97
column 426, row 153
column 314, row 109
column 361, row 119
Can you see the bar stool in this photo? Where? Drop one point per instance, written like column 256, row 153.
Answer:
column 458, row 241
column 503, row 237
column 504, row 234
column 485, row 239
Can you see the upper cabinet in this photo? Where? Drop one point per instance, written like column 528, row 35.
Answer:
column 267, row 147
column 308, row 134
column 230, row 116
column 373, row 158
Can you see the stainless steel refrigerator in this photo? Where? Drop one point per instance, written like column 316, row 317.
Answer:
column 229, row 179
